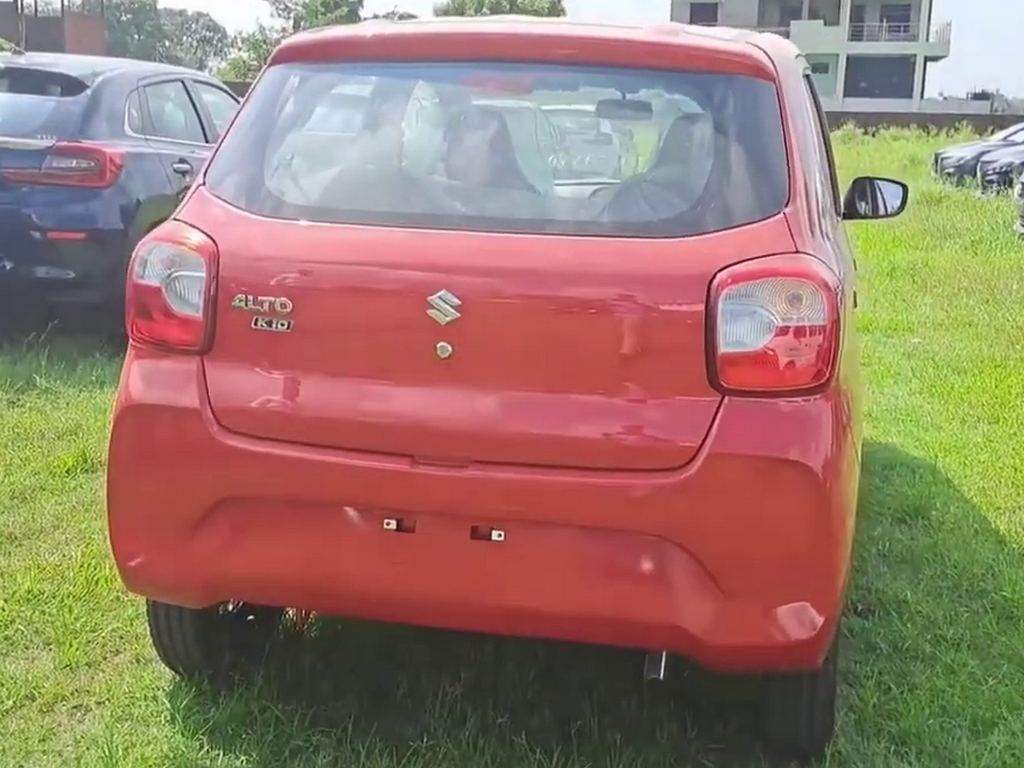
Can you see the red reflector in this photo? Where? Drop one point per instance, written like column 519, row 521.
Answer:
column 72, row 165
column 774, row 326
column 52, row 235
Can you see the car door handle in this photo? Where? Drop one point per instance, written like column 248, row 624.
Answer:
column 182, row 167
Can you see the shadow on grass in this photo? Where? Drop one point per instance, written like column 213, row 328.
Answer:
column 67, row 351
column 363, row 694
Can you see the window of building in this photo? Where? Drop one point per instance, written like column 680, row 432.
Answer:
column 705, row 14
column 820, row 68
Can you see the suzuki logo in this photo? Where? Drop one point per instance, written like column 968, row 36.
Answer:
column 443, row 307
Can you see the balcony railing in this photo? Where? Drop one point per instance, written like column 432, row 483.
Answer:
column 883, row 32
column 941, row 33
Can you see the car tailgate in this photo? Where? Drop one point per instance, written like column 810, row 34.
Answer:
column 573, row 352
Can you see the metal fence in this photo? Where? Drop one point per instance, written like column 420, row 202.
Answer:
column 45, row 8
column 871, row 121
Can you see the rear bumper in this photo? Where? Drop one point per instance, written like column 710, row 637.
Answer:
column 738, row 561
column 71, row 272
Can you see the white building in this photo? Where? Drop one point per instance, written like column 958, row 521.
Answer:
column 866, row 55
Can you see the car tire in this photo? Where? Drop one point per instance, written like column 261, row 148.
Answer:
column 800, row 709
column 218, row 644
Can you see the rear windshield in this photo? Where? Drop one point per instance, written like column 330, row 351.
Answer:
column 33, row 101
column 480, row 146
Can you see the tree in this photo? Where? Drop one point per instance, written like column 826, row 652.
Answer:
column 193, row 38
column 309, row 14
column 495, row 7
column 134, row 30
column 395, row 15
column 139, row 29
column 250, row 52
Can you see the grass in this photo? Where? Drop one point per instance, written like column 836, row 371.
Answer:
column 934, row 664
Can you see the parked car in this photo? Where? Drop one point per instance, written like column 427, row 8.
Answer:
column 1018, row 199
column 94, row 153
column 959, row 163
column 636, row 423
column 997, row 169
column 597, row 148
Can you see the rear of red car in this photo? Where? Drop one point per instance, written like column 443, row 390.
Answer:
column 365, row 394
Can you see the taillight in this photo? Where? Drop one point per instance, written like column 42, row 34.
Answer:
column 774, row 326
column 170, row 292
column 72, row 165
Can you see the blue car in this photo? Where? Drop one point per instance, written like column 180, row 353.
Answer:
column 94, row 153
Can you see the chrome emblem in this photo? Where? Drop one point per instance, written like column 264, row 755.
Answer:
column 265, row 304
column 443, row 307
column 444, row 350
column 277, row 324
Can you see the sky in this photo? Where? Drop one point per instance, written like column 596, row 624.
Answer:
column 985, row 33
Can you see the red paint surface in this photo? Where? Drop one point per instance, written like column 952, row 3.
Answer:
column 640, row 507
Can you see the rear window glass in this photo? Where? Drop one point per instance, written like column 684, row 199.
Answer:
column 498, row 147
column 33, row 101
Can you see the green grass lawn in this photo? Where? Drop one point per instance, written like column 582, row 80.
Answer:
column 934, row 665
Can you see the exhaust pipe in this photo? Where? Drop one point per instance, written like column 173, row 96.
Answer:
column 654, row 665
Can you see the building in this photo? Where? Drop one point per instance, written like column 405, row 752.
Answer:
column 865, row 55
column 56, row 26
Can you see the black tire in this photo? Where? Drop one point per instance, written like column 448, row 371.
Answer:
column 216, row 645
column 800, row 709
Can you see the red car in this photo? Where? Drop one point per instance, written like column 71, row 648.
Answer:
column 408, row 383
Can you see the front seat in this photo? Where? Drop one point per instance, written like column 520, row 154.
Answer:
column 673, row 182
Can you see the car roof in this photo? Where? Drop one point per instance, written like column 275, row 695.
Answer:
column 513, row 23
column 89, row 69
column 750, row 44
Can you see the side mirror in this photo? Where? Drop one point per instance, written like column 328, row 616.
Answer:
column 871, row 197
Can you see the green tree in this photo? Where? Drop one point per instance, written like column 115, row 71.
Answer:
column 134, row 30
column 496, row 7
column 139, row 29
column 193, row 38
column 250, row 52
column 395, row 15
column 309, row 14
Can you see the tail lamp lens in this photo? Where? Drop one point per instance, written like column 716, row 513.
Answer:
column 70, row 164
column 170, row 290
column 775, row 326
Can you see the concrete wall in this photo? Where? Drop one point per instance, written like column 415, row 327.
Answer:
column 827, row 82
column 874, row 120
column 734, row 13
column 45, row 33
column 85, row 34
column 72, row 33
column 9, row 29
